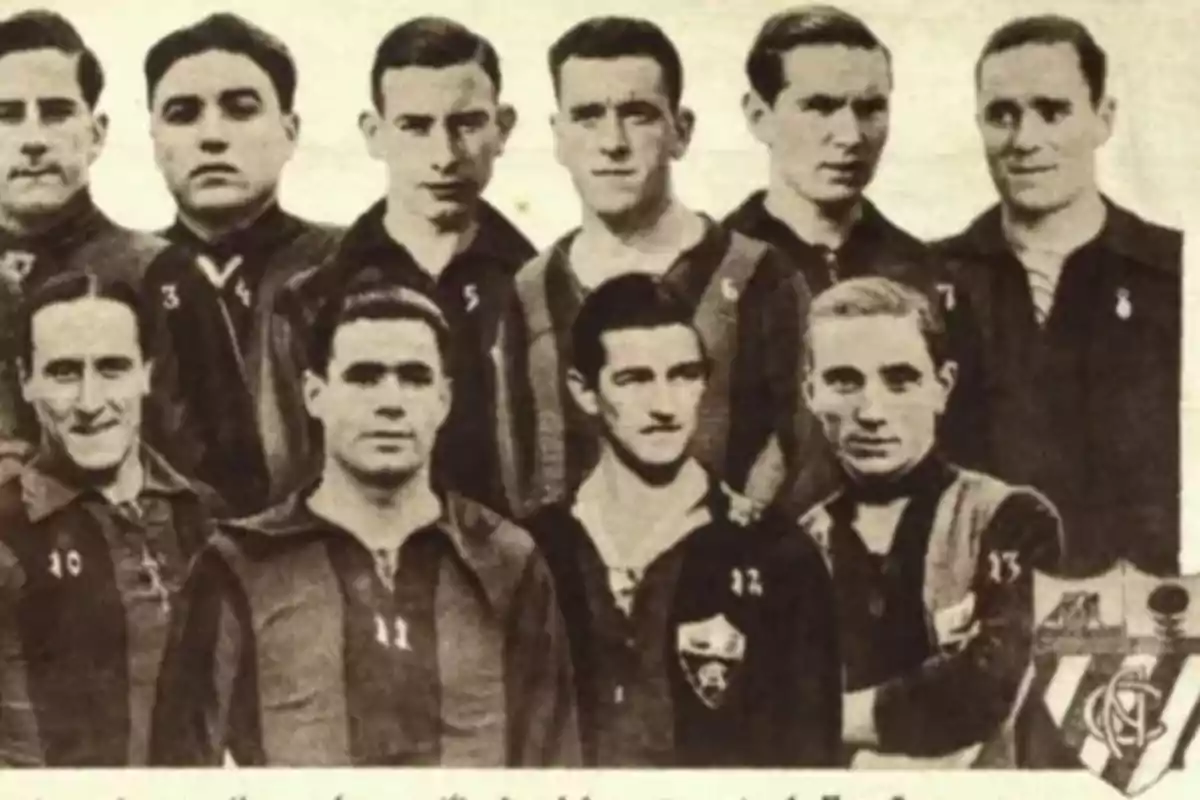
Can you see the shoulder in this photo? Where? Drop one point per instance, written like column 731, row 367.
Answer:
column 318, row 240
column 123, row 250
column 484, row 529
column 1149, row 243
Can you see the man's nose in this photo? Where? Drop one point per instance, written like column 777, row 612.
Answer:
column 871, row 408
column 443, row 148
column 90, row 399
column 845, row 127
column 614, row 140
column 1029, row 132
column 214, row 136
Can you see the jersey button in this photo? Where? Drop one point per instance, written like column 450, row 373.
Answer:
column 619, row 694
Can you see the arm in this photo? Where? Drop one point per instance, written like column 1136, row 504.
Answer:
column 543, row 723
column 781, row 339
column 808, row 702
column 199, row 709
column 20, row 744
column 168, row 426
column 961, row 697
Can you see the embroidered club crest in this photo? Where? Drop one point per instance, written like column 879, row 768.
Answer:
column 711, row 652
column 1117, row 667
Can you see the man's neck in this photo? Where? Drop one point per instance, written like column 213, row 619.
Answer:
column 823, row 225
column 605, row 250
column 1061, row 231
column 431, row 245
column 35, row 224
column 215, row 228
column 122, row 484
column 382, row 518
column 632, row 512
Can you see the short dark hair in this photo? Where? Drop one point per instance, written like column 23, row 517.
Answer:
column 798, row 27
column 875, row 296
column 1052, row 29
column 41, row 29
column 616, row 37
column 72, row 285
column 434, row 42
column 368, row 296
column 232, row 34
column 628, row 301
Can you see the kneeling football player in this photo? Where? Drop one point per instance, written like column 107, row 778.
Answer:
column 370, row 619
column 698, row 639
column 932, row 564
column 95, row 533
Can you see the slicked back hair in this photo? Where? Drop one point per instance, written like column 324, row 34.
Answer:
column 47, row 30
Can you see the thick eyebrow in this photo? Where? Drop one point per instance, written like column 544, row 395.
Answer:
column 425, row 120
column 114, row 363
column 58, row 365
column 586, row 111
column 900, row 372
column 238, row 94
column 633, row 373
column 64, row 105
column 841, row 373
column 1046, row 104
column 686, row 369
column 474, row 116
column 643, row 107
column 405, row 370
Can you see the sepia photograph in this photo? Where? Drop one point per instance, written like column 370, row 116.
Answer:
column 598, row 399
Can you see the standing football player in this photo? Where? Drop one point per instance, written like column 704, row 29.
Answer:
column 438, row 125
column 1081, row 303
column 619, row 125
column 222, row 104
column 697, row 640
column 820, row 102
column 371, row 618
column 932, row 564
column 96, row 531
column 51, row 132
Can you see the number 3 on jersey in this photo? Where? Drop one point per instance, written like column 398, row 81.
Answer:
column 67, row 562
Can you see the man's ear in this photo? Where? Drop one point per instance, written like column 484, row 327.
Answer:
column 685, row 127
column 947, row 377
column 506, row 120
column 583, row 395
column 314, row 394
column 291, row 126
column 1106, row 110
column 556, row 124
column 147, row 378
column 369, row 124
column 809, row 389
column 446, row 396
column 26, row 379
column 755, row 109
column 99, row 136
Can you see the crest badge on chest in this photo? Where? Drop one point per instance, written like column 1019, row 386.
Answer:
column 711, row 653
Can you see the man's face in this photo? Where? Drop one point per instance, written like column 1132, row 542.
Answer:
column 648, row 392
column 1040, row 128
column 86, row 381
column 616, row 133
column 439, row 132
column 48, row 135
column 384, row 398
column 874, row 387
column 221, row 139
column 829, row 124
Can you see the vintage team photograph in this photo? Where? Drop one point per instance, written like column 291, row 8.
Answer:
column 700, row 386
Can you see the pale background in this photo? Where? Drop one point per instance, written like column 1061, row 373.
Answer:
column 932, row 182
